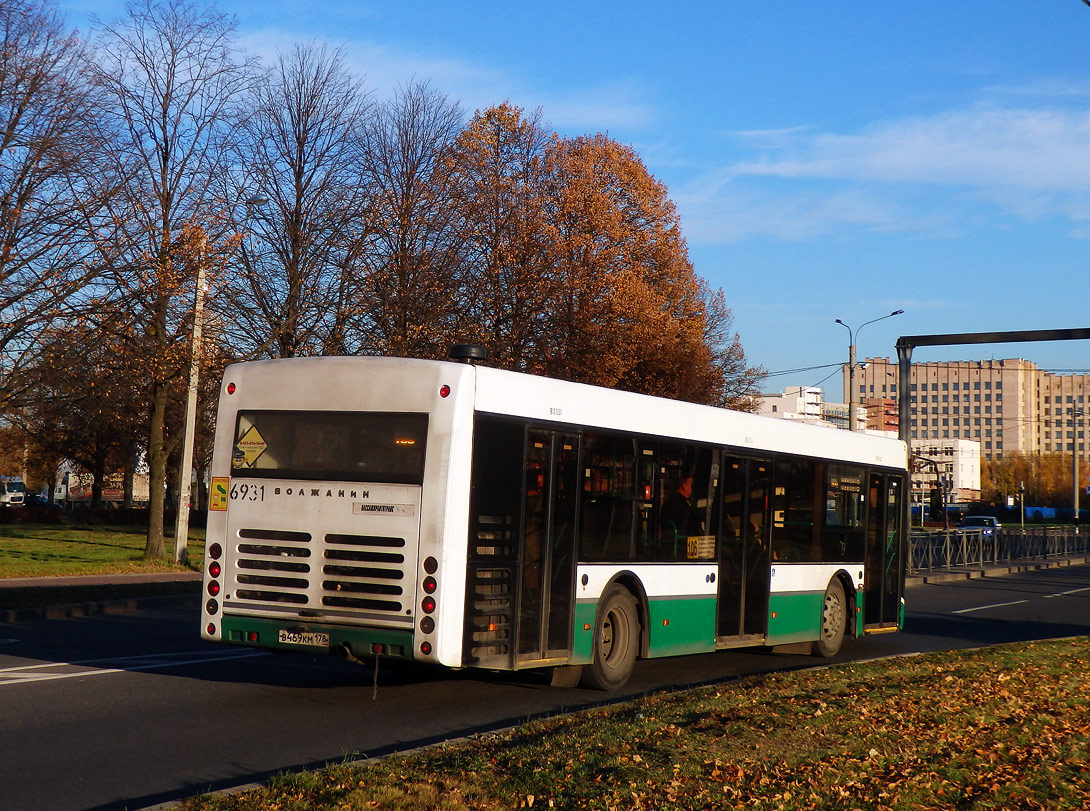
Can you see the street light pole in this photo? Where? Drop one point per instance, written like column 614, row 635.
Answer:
column 853, row 420
column 1076, row 414
column 185, row 474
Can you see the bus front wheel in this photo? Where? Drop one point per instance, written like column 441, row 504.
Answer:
column 616, row 638
column 834, row 618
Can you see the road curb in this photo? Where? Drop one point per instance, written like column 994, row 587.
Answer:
column 976, row 572
column 93, row 608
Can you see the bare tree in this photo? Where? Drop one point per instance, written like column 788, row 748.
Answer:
column 413, row 257
column 298, row 181
column 175, row 82
column 51, row 187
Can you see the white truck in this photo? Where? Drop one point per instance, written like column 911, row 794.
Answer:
column 12, row 491
column 75, row 490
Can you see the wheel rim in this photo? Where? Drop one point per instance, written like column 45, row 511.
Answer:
column 612, row 638
column 832, row 617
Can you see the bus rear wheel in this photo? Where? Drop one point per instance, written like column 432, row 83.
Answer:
column 616, row 639
column 834, row 620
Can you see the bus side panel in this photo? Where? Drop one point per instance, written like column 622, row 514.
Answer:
column 679, row 613
column 678, row 625
column 797, row 596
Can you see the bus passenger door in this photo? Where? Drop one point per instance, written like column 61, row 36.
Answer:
column 884, row 574
column 744, row 565
column 550, row 508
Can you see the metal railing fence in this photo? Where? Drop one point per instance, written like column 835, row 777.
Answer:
column 949, row 549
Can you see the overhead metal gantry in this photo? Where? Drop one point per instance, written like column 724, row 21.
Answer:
column 906, row 343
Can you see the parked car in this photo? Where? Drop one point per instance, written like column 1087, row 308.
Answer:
column 984, row 524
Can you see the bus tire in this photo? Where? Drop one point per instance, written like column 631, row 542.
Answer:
column 616, row 640
column 834, row 620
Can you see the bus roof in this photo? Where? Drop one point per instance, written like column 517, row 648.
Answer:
column 533, row 397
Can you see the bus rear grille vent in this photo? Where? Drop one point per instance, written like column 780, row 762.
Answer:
column 273, row 566
column 364, row 572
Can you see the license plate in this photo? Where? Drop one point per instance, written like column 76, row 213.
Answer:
column 312, row 638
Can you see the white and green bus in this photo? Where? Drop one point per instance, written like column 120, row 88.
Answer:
column 465, row 516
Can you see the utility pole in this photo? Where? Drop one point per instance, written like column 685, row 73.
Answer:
column 1076, row 414
column 185, row 486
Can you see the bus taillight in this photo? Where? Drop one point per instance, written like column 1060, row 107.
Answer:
column 425, row 648
column 214, row 569
column 231, row 388
column 429, row 585
column 214, row 588
column 214, row 551
column 212, row 606
column 444, row 391
column 428, row 604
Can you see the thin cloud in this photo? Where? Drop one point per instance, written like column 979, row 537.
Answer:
column 1032, row 149
column 928, row 174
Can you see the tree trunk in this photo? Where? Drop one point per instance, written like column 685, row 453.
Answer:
column 157, row 463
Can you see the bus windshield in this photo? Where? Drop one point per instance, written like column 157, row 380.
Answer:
column 339, row 446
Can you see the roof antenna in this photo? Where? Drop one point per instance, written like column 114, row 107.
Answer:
column 467, row 353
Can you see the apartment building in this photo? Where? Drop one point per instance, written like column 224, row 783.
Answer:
column 793, row 403
column 1007, row 406
column 954, row 463
column 807, row 403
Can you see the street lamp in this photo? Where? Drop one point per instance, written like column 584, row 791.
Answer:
column 1076, row 415
column 852, row 334
column 185, row 474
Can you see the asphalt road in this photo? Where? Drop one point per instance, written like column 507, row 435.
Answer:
column 131, row 710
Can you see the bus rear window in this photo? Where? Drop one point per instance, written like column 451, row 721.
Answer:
column 340, row 446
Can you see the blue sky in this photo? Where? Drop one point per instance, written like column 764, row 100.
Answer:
column 829, row 160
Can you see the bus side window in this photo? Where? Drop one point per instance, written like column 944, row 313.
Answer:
column 795, row 532
column 609, row 498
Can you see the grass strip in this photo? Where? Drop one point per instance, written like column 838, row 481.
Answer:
column 997, row 728
column 37, row 550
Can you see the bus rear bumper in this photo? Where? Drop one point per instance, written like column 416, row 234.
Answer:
column 352, row 643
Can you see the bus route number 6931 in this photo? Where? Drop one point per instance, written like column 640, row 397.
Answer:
column 248, row 492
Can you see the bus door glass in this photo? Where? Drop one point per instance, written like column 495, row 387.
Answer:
column 744, row 571
column 548, row 562
column 884, row 564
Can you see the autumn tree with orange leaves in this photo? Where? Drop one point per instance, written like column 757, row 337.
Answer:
column 577, row 267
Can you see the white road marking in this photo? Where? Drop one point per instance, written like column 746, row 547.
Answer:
column 1065, row 593
column 986, row 607
column 49, row 671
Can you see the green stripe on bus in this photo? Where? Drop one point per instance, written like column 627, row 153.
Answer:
column 794, row 616
column 583, row 635
column 237, row 631
column 677, row 626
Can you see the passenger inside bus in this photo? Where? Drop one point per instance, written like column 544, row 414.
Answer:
column 677, row 518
